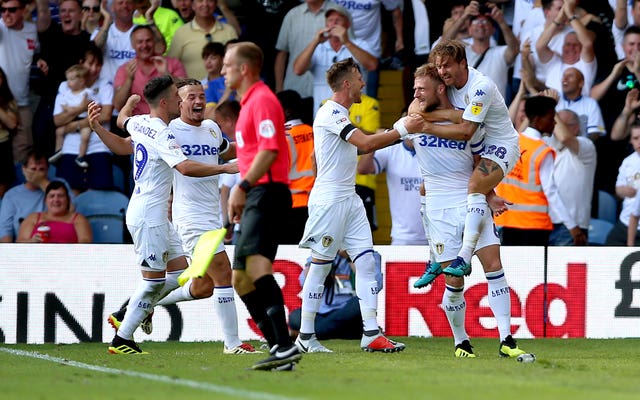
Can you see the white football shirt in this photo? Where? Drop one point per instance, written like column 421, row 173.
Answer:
column 155, row 153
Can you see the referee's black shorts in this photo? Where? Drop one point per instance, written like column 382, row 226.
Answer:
column 264, row 222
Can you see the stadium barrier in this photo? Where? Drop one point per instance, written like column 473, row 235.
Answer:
column 63, row 294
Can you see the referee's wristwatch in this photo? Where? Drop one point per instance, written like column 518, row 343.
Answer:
column 244, row 185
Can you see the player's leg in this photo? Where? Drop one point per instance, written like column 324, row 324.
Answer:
column 433, row 269
column 255, row 252
column 359, row 245
column 498, row 293
column 323, row 234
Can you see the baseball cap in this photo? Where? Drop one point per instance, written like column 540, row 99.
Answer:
column 333, row 7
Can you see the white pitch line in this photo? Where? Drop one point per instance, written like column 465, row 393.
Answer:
column 210, row 387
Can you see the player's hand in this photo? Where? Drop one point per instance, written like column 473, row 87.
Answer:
column 133, row 101
column 235, row 204
column 497, row 204
column 230, row 168
column 93, row 111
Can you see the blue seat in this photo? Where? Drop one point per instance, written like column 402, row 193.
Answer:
column 598, row 231
column 105, row 210
column 607, row 207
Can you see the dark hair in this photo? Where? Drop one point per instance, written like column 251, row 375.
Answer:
column 291, row 103
column 36, row 155
column 631, row 30
column 23, row 3
column 6, row 96
column 228, row 109
column 339, row 71
column 55, row 185
column 136, row 28
column 538, row 106
column 213, row 48
column 94, row 51
column 156, row 87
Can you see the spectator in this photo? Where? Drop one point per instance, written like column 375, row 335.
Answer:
column 573, row 171
column 8, row 123
column 577, row 50
column 116, row 43
column 215, row 90
column 530, row 185
column 588, row 110
column 611, row 93
column 626, row 14
column 190, row 39
column 330, row 44
column 629, row 114
column 494, row 61
column 301, row 170
column 22, row 200
column 62, row 223
column 73, row 98
column 95, row 17
column 403, row 182
column 134, row 75
column 184, row 8
column 627, row 185
column 298, row 27
column 18, row 42
column 339, row 314
column 62, row 45
column 366, row 117
column 98, row 174
column 367, row 26
column 163, row 21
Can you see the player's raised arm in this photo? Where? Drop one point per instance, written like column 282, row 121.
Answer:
column 115, row 143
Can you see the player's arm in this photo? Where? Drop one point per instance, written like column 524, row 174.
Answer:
column 460, row 131
column 368, row 143
column 228, row 150
column 115, row 143
column 198, row 169
column 366, row 164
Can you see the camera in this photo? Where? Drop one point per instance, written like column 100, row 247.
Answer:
column 484, row 9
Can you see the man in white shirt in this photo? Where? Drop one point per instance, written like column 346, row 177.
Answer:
column 573, row 172
column 156, row 153
column 587, row 109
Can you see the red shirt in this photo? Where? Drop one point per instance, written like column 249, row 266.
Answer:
column 260, row 126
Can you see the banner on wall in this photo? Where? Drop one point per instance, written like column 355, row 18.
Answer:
column 63, row 294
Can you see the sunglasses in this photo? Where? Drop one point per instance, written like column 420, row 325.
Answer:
column 208, row 37
column 94, row 8
column 11, row 10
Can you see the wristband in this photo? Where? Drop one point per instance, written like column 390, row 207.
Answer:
column 402, row 130
column 244, row 185
column 573, row 17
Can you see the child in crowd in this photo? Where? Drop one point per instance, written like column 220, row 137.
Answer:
column 215, row 91
column 73, row 97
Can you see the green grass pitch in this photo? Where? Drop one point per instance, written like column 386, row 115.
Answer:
column 565, row 369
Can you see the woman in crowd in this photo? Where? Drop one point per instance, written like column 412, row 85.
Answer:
column 57, row 224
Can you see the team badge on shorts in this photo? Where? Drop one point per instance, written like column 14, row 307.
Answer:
column 439, row 248
column 476, row 108
column 326, row 241
column 165, row 257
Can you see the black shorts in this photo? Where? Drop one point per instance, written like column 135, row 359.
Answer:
column 98, row 176
column 263, row 224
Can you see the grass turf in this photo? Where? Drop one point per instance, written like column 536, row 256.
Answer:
column 565, row 369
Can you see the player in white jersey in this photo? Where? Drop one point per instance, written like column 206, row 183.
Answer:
column 484, row 107
column 196, row 210
column 446, row 165
column 156, row 154
column 337, row 218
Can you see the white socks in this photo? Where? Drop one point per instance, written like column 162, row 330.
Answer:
column 225, row 306
column 140, row 305
column 179, row 294
column 455, row 308
column 312, row 294
column 367, row 289
column 500, row 301
column 477, row 209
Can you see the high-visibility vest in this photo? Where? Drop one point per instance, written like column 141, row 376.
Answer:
column 300, row 138
column 522, row 187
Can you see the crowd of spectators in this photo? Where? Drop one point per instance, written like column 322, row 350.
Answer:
column 589, row 52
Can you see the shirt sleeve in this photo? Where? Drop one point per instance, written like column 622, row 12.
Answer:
column 482, row 96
